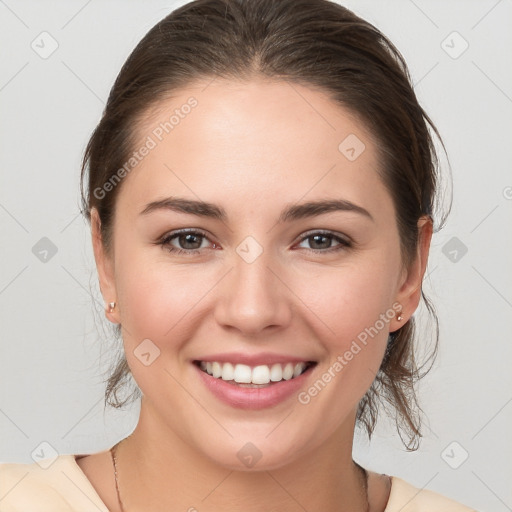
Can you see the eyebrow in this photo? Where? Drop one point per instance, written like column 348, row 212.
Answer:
column 290, row 213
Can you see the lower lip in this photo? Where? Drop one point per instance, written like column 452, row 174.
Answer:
column 253, row 398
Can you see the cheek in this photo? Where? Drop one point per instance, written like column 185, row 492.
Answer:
column 349, row 299
column 158, row 299
column 159, row 304
column 353, row 311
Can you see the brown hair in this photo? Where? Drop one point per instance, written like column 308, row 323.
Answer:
column 316, row 43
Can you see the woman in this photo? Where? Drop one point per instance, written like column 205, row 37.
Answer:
column 261, row 193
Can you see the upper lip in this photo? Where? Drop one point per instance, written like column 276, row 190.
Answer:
column 266, row 358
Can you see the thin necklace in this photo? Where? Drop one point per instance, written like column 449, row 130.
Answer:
column 114, row 463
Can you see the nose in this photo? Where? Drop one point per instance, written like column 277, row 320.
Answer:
column 252, row 297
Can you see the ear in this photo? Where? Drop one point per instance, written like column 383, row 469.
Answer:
column 409, row 292
column 105, row 268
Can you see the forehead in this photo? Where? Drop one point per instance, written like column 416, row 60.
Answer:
column 236, row 142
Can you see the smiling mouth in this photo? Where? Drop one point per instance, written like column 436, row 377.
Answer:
column 254, row 376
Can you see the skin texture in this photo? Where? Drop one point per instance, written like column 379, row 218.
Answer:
column 252, row 148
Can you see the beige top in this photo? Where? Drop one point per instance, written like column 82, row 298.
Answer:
column 64, row 487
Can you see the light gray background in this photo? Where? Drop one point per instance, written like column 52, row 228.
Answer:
column 53, row 349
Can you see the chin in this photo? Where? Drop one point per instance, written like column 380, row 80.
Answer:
column 254, row 454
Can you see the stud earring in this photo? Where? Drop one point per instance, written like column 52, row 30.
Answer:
column 111, row 306
column 399, row 317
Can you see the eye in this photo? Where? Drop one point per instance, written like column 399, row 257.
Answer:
column 185, row 241
column 320, row 241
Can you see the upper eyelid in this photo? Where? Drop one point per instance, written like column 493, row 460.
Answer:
column 183, row 231
column 326, row 232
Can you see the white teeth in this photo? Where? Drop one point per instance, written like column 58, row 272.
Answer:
column 228, row 371
column 298, row 369
column 244, row 374
column 288, row 371
column 261, row 375
column 216, row 369
column 276, row 373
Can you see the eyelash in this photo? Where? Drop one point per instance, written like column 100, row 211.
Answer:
column 165, row 242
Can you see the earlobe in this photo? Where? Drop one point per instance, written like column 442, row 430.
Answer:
column 409, row 293
column 105, row 268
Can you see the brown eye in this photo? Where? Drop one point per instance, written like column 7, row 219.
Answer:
column 189, row 241
column 323, row 242
column 185, row 242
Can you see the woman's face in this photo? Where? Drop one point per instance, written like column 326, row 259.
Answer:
column 265, row 278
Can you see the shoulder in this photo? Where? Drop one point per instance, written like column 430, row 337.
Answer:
column 404, row 497
column 48, row 485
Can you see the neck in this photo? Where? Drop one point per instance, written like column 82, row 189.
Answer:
column 157, row 470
